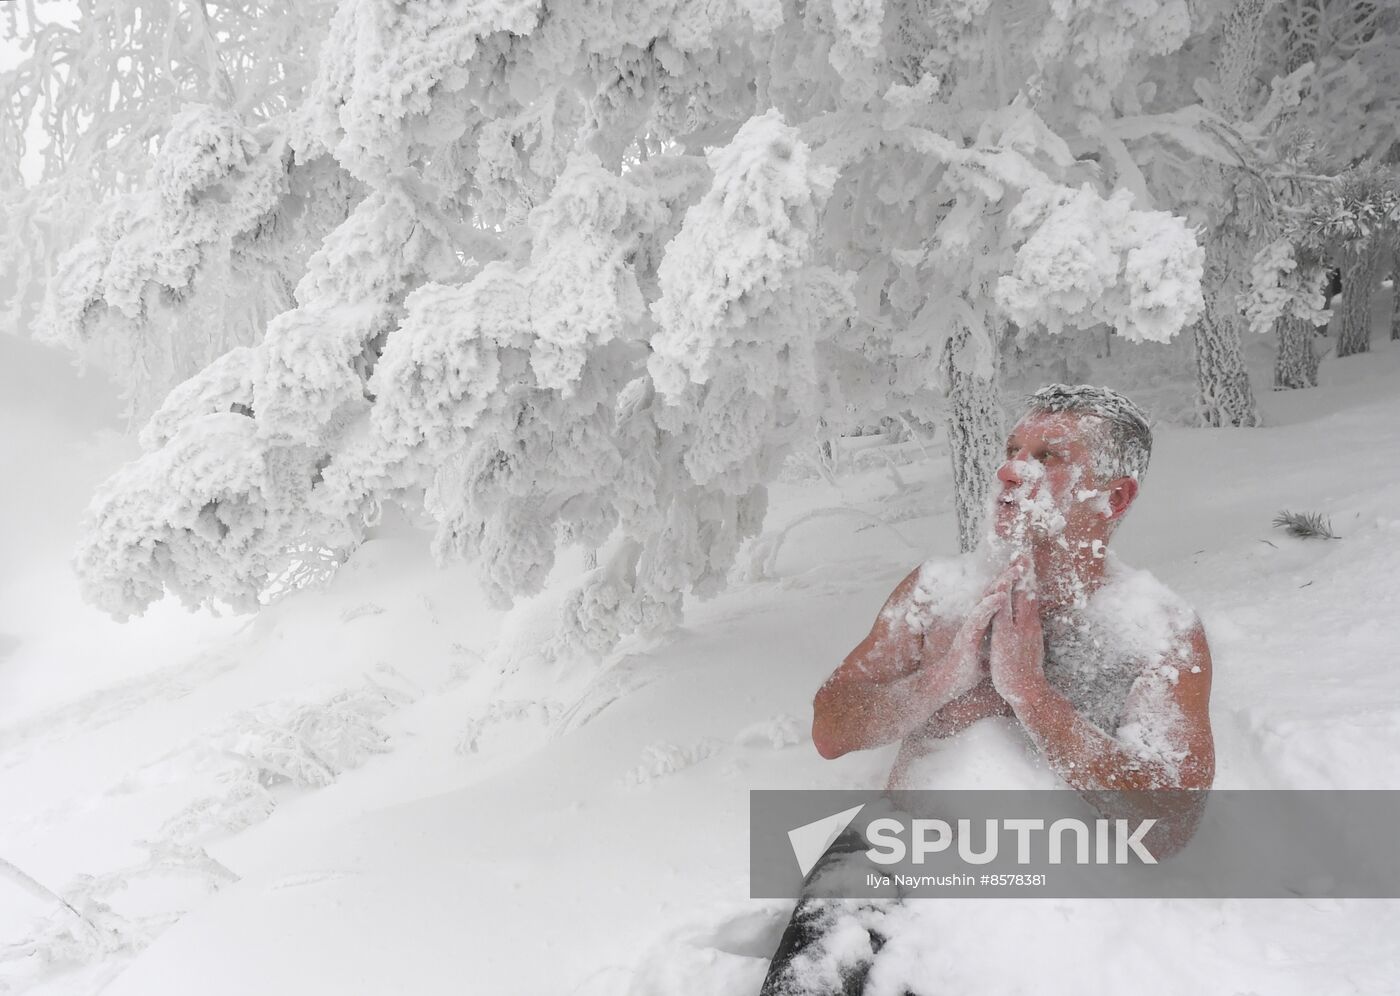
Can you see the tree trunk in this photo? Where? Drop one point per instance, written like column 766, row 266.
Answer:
column 1239, row 46
column 1223, row 394
column 1296, row 363
column 975, row 431
column 1395, row 300
column 1360, row 268
column 1222, row 382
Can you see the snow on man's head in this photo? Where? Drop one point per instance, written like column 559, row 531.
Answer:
column 1125, row 445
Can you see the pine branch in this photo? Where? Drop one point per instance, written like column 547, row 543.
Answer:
column 1305, row 525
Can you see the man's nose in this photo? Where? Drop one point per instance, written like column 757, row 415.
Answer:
column 1006, row 473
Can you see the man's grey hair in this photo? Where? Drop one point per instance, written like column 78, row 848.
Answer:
column 1126, row 442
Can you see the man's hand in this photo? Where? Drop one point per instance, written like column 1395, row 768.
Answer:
column 964, row 666
column 1018, row 642
column 957, row 680
column 900, row 675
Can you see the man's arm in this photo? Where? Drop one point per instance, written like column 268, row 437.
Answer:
column 872, row 694
column 1179, row 755
column 963, row 711
column 896, row 679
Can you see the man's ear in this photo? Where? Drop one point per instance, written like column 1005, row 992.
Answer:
column 1121, row 493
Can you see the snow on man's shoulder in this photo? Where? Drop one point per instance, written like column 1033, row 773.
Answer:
column 939, row 588
column 1146, row 614
column 951, row 586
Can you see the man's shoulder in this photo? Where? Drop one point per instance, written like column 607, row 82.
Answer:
column 1125, row 581
column 951, row 585
column 940, row 588
column 1136, row 599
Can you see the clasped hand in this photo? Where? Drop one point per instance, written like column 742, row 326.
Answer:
column 1017, row 659
column 1007, row 613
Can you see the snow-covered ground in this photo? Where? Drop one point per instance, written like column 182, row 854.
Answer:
column 415, row 798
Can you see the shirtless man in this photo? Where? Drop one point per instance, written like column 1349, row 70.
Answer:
column 1073, row 467
column 1104, row 668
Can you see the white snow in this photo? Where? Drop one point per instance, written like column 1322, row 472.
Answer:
column 417, row 799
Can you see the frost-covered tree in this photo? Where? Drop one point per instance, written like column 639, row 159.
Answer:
column 167, row 278
column 1300, row 90
column 1353, row 222
column 1286, row 293
column 1231, row 221
column 1271, row 78
column 1352, row 105
column 1349, row 114
column 1186, row 132
column 1285, row 287
column 172, row 277
column 602, row 267
column 1222, row 187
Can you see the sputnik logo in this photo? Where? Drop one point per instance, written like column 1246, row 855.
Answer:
column 810, row 841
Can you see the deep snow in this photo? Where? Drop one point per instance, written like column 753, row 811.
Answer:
column 545, row 827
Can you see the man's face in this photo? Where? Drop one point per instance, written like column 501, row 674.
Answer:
column 1049, row 491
